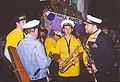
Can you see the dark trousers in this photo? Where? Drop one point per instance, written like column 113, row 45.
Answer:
column 40, row 80
column 68, row 79
column 100, row 77
column 111, row 74
column 54, row 71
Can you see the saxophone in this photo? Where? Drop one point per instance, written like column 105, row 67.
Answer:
column 90, row 61
column 69, row 61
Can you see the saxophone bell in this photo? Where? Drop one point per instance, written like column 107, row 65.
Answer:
column 65, row 67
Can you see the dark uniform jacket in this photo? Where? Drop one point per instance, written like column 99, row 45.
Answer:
column 102, row 52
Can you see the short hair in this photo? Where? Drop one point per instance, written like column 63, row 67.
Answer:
column 19, row 17
column 44, row 30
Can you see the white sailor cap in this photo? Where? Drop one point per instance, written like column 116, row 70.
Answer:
column 58, row 33
column 31, row 24
column 91, row 19
column 67, row 22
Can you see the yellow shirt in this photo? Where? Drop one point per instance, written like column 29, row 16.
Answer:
column 62, row 50
column 50, row 45
column 12, row 39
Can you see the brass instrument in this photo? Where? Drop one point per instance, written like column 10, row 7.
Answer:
column 48, row 71
column 69, row 61
column 90, row 61
column 48, row 75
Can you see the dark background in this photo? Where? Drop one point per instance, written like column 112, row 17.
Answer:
column 11, row 8
column 108, row 10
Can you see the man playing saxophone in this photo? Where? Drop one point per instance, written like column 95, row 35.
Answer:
column 64, row 55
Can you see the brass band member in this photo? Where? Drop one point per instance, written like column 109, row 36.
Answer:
column 100, row 47
column 51, row 40
column 16, row 35
column 32, row 53
column 50, row 45
column 66, row 45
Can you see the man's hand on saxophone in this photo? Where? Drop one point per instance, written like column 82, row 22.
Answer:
column 76, row 59
column 92, row 68
column 70, row 61
column 61, row 63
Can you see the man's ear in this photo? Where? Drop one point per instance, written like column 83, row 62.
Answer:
column 63, row 29
column 16, row 23
column 94, row 25
column 72, row 29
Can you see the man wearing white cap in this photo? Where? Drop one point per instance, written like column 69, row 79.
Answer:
column 65, row 47
column 32, row 53
column 100, row 47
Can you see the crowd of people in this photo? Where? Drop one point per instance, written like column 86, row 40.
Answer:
column 60, row 55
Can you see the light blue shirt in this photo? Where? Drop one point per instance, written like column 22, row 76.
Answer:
column 33, row 57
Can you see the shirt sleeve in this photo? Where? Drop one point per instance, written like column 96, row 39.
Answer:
column 23, row 57
column 49, row 46
column 57, row 51
column 43, row 60
column 14, row 38
column 33, row 56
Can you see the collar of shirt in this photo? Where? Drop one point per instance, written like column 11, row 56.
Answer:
column 30, row 36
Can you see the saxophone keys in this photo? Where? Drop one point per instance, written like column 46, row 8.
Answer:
column 73, row 63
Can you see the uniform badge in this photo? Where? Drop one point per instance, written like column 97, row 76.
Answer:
column 94, row 45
